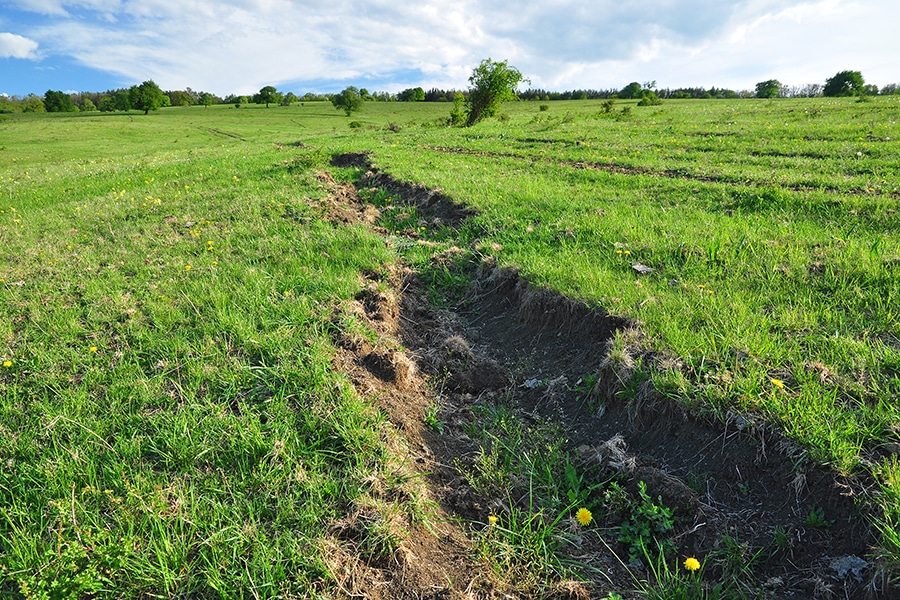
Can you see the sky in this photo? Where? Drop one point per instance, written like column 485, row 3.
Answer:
column 239, row 46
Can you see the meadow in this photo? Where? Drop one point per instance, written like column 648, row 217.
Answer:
column 173, row 424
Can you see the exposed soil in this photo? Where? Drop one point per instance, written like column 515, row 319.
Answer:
column 733, row 481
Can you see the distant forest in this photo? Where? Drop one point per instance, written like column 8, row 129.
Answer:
column 124, row 99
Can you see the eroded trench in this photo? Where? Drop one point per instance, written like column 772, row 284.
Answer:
column 738, row 489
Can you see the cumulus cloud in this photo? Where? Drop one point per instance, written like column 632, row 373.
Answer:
column 241, row 45
column 17, row 46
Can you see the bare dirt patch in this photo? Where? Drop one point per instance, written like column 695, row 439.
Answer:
column 739, row 490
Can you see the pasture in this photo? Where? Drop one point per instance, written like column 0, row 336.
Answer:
column 264, row 353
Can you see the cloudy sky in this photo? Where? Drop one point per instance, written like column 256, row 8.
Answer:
column 239, row 46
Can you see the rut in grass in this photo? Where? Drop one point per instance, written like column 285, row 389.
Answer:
column 473, row 379
column 620, row 169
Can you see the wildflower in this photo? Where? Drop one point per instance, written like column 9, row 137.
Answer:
column 7, row 364
column 93, row 348
column 492, row 519
column 584, row 516
column 691, row 563
column 777, row 383
column 187, row 267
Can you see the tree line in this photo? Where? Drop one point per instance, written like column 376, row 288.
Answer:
column 148, row 96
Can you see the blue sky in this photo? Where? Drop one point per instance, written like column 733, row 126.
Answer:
column 239, row 46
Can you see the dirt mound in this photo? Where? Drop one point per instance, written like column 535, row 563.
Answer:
column 738, row 489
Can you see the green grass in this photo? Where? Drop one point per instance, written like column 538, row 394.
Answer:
column 206, row 444
column 171, row 422
column 774, row 247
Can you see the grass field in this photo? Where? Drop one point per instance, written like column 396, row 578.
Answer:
column 171, row 421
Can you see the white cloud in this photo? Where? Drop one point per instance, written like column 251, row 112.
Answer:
column 17, row 46
column 239, row 46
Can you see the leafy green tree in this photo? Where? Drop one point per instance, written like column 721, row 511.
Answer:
column 412, row 95
column 349, row 100
column 107, row 104
column 147, row 97
column 179, row 98
column 267, row 95
column 87, row 105
column 845, row 83
column 289, row 99
column 56, row 101
column 121, row 100
column 493, row 83
column 207, row 99
column 632, row 90
column 33, row 104
column 768, row 89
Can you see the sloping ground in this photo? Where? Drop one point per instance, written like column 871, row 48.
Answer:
column 740, row 492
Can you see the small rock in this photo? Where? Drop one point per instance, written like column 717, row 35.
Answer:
column 642, row 269
column 849, row 564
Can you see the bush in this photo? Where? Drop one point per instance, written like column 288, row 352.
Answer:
column 544, row 107
column 458, row 113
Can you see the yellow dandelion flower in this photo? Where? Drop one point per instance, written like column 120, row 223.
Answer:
column 93, row 348
column 777, row 383
column 187, row 267
column 493, row 519
column 7, row 363
column 691, row 563
column 584, row 516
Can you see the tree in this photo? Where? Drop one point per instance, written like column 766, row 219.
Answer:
column 493, row 83
column 845, row 83
column 87, row 105
column 267, row 95
column 349, row 100
column 412, row 95
column 289, row 99
column 207, row 99
column 146, row 97
column 179, row 98
column 56, row 101
column 33, row 103
column 632, row 90
column 768, row 89
column 121, row 100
